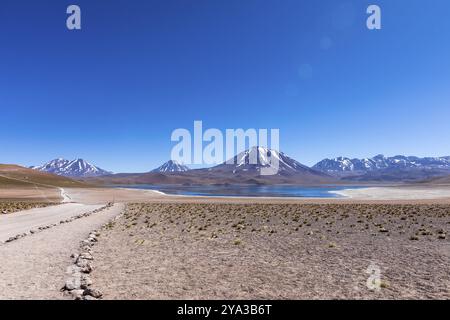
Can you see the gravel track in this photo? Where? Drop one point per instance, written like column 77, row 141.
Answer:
column 22, row 222
column 35, row 267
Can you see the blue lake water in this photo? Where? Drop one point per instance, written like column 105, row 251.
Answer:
column 246, row 190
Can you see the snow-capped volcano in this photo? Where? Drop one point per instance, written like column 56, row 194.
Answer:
column 75, row 168
column 255, row 158
column 52, row 166
column 171, row 166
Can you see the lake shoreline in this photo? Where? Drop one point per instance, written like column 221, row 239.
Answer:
column 292, row 192
column 244, row 191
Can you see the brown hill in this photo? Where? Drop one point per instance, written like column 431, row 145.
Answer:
column 441, row 180
column 14, row 175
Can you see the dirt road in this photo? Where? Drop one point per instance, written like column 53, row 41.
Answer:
column 25, row 221
column 35, row 267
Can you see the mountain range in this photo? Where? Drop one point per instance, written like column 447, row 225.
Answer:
column 380, row 162
column 245, row 168
column 381, row 168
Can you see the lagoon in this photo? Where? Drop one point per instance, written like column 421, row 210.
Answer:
column 246, row 190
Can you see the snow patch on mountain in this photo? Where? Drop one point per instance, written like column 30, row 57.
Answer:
column 171, row 166
column 255, row 158
column 71, row 168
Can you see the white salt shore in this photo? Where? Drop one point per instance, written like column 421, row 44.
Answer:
column 395, row 193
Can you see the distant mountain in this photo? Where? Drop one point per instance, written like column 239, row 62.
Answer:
column 379, row 162
column 78, row 168
column 251, row 161
column 171, row 166
column 381, row 168
column 342, row 164
column 245, row 168
column 11, row 175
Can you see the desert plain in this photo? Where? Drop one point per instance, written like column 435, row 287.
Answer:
column 382, row 243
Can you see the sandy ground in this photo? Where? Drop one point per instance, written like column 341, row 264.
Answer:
column 105, row 195
column 35, row 267
column 32, row 194
column 262, row 251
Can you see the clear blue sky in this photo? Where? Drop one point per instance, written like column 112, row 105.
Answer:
column 113, row 92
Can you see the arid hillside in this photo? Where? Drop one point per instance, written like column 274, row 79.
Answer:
column 14, row 175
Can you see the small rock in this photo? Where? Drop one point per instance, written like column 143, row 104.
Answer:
column 82, row 262
column 65, row 292
column 86, row 256
column 86, row 250
column 86, row 269
column 70, row 285
column 77, row 294
column 85, row 281
column 442, row 236
column 93, row 293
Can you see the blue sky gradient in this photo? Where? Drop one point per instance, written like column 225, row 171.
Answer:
column 113, row 92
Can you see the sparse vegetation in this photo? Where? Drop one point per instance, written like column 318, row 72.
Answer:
column 11, row 207
column 278, row 250
column 269, row 219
